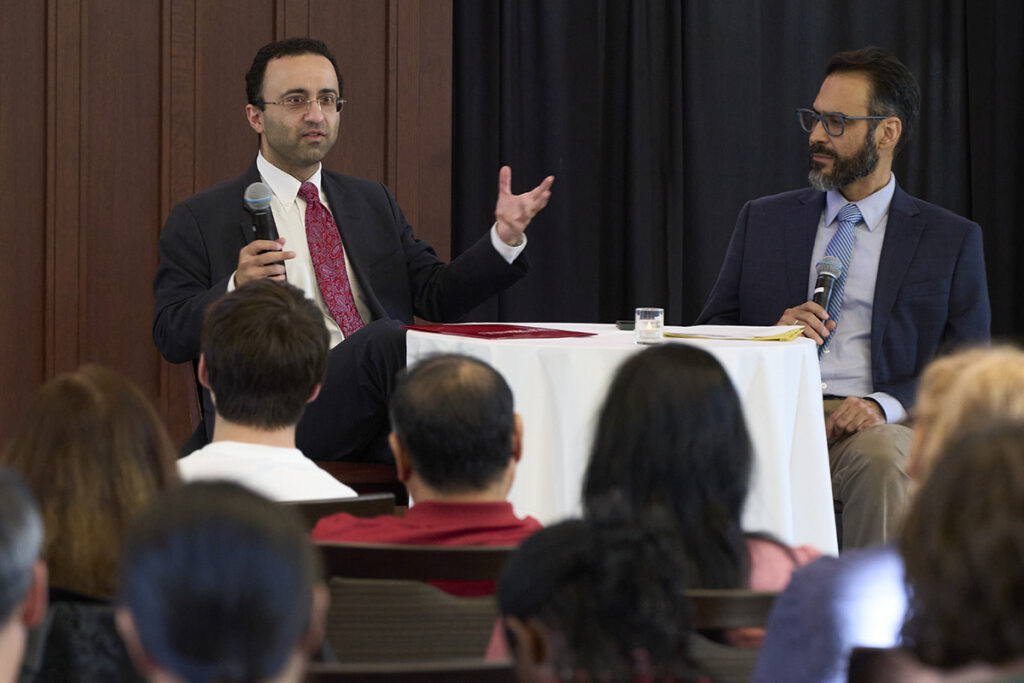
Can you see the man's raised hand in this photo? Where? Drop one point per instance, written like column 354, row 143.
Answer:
column 513, row 212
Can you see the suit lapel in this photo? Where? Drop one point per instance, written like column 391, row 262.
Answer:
column 800, row 228
column 902, row 233
column 351, row 227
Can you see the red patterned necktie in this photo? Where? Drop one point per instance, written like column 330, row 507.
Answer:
column 329, row 261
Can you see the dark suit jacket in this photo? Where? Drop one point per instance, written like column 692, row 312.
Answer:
column 400, row 276
column 930, row 292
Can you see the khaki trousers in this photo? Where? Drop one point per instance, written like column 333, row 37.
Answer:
column 869, row 478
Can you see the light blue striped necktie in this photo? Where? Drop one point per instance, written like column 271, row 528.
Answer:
column 840, row 247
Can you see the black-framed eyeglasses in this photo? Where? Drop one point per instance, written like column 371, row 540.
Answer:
column 834, row 122
column 301, row 103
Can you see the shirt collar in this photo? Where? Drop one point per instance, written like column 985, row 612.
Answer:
column 440, row 510
column 873, row 208
column 284, row 186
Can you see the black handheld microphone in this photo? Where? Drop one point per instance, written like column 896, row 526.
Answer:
column 257, row 202
column 830, row 269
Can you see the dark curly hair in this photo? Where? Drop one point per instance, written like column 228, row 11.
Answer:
column 611, row 592
column 963, row 546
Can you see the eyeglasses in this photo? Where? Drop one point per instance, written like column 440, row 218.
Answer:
column 298, row 103
column 835, row 123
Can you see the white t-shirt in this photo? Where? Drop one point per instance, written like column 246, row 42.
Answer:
column 280, row 474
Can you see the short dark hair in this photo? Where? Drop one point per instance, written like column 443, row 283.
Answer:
column 894, row 90
column 612, row 591
column 454, row 416
column 282, row 48
column 671, row 434
column 219, row 582
column 21, row 540
column 962, row 544
column 265, row 346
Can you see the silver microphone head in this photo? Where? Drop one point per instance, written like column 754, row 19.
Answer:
column 829, row 265
column 257, row 197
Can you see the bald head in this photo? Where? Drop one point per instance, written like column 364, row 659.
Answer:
column 453, row 415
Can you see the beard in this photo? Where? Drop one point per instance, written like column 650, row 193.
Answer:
column 845, row 170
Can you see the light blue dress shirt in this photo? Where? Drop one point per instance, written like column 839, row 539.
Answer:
column 846, row 363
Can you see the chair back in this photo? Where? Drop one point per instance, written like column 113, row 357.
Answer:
column 368, row 505
column 460, row 670
column 414, row 562
column 380, row 621
column 384, row 610
column 715, row 608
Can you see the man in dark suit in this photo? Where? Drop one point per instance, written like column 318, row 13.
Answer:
column 912, row 283
column 349, row 249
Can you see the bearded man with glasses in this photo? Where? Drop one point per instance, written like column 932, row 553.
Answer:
column 909, row 280
column 342, row 240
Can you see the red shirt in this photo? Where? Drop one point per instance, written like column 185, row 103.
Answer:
column 435, row 523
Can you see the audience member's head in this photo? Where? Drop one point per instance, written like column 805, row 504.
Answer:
column 454, row 432
column 597, row 600
column 672, row 434
column 22, row 573
column 94, row 452
column 963, row 548
column 263, row 354
column 961, row 390
column 219, row 584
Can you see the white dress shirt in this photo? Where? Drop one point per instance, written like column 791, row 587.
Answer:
column 289, row 212
column 846, row 363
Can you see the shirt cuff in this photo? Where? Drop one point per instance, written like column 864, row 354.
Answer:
column 891, row 406
column 506, row 252
column 231, row 282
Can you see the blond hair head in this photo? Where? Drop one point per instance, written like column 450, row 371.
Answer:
column 961, row 390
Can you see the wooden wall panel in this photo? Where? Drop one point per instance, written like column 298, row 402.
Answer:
column 119, row 202
column 227, row 36
column 24, row 106
column 356, row 31
column 111, row 111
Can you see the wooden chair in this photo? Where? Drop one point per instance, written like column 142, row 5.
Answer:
column 382, row 609
column 447, row 671
column 367, row 477
column 729, row 608
column 414, row 562
column 369, row 505
column 717, row 609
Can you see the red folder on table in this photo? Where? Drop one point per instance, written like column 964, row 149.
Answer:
column 498, row 331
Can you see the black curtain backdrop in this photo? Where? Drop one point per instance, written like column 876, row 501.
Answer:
column 660, row 119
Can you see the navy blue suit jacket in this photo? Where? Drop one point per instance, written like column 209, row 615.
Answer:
column 400, row 276
column 930, row 293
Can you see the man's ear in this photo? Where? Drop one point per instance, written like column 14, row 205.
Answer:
column 316, row 392
column 517, row 437
column 403, row 465
column 314, row 637
column 203, row 375
column 36, row 599
column 125, row 624
column 203, row 372
column 255, row 117
column 888, row 133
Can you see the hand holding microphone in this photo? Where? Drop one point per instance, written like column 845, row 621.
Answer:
column 264, row 256
column 812, row 315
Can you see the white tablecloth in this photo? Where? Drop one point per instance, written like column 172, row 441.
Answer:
column 559, row 385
